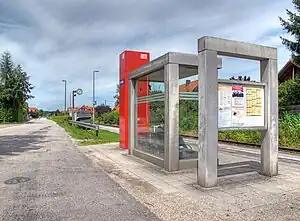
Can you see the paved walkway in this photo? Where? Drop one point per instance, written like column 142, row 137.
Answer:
column 242, row 193
column 43, row 177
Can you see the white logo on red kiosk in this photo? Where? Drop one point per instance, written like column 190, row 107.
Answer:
column 144, row 56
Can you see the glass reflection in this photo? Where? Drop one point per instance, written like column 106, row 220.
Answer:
column 150, row 112
column 188, row 114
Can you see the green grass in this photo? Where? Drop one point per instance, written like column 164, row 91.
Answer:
column 85, row 137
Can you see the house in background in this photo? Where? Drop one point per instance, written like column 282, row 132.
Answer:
column 189, row 86
column 82, row 108
column 32, row 110
column 289, row 71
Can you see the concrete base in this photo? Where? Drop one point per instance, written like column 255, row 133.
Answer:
column 242, row 194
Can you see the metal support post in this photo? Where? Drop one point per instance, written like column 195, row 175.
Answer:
column 171, row 139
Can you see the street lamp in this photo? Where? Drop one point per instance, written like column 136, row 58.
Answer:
column 94, row 102
column 65, row 81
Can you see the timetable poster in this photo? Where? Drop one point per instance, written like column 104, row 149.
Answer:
column 240, row 106
column 225, row 100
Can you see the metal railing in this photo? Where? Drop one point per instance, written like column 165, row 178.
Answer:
column 86, row 125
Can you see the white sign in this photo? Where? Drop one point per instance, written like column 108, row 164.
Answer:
column 144, row 56
column 240, row 106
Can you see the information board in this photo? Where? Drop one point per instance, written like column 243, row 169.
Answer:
column 240, row 106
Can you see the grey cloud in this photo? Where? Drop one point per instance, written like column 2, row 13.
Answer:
column 68, row 39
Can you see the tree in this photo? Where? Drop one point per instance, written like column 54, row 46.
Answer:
column 15, row 89
column 57, row 113
column 292, row 26
column 41, row 113
column 102, row 109
column 117, row 96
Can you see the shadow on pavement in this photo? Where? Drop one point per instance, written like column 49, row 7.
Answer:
column 13, row 144
column 238, row 168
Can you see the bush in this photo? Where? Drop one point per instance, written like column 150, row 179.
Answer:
column 289, row 130
column 289, row 93
column 111, row 118
column 6, row 115
column 244, row 136
column 102, row 109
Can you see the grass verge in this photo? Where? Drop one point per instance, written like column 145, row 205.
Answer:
column 288, row 132
column 85, row 137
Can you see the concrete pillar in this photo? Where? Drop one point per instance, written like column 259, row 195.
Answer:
column 269, row 147
column 132, row 116
column 208, row 118
column 171, row 78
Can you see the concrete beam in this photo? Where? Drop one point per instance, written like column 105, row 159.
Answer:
column 152, row 66
column 238, row 49
column 187, row 59
column 168, row 58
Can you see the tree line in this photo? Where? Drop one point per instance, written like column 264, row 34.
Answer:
column 15, row 90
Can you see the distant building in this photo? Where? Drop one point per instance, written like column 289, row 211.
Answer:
column 82, row 108
column 289, row 71
column 117, row 108
column 32, row 110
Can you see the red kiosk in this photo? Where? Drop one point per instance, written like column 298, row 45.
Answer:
column 129, row 61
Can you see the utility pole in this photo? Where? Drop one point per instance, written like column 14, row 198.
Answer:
column 105, row 102
column 65, row 81
column 94, row 102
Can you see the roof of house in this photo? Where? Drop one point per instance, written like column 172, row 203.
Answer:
column 32, row 109
column 286, row 69
column 84, row 107
column 117, row 107
column 188, row 87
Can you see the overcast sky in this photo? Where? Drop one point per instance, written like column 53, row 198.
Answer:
column 68, row 39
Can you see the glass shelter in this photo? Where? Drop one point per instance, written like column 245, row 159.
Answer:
column 177, row 105
column 166, row 135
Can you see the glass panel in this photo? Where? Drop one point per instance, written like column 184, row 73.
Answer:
column 188, row 112
column 150, row 111
column 239, row 69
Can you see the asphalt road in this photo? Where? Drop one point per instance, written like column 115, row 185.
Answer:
column 44, row 177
